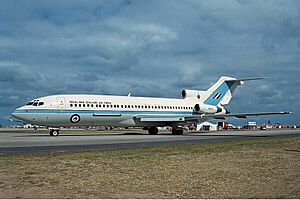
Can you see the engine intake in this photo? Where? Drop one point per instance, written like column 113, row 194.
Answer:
column 191, row 94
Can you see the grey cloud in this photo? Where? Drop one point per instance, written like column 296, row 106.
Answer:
column 151, row 48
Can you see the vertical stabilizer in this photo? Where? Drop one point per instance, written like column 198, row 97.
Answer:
column 221, row 92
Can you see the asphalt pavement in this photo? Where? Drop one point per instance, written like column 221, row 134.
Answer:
column 22, row 142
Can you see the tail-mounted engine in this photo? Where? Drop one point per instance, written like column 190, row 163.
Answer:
column 195, row 94
column 210, row 109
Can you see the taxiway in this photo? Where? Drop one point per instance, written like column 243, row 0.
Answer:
column 17, row 142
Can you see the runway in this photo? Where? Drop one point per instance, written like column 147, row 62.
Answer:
column 22, row 142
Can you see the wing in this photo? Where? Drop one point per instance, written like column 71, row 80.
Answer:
column 188, row 118
column 237, row 115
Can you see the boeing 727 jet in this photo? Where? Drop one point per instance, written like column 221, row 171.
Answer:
column 128, row 111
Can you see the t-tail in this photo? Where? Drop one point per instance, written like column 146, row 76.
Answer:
column 221, row 92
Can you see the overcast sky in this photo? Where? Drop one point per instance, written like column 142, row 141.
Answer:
column 151, row 48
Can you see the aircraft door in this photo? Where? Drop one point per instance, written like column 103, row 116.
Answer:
column 61, row 103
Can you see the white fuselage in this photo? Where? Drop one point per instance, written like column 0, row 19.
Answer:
column 96, row 110
column 103, row 110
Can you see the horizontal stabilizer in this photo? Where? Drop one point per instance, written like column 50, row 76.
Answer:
column 246, row 79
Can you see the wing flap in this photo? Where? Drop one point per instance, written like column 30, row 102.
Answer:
column 168, row 118
column 162, row 119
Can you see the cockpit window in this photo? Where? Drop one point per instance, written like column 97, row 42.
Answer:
column 35, row 103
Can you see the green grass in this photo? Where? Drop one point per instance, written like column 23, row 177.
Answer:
column 260, row 168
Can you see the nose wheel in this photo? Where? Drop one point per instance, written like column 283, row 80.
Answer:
column 54, row 132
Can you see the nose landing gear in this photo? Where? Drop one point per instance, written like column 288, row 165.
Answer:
column 54, row 132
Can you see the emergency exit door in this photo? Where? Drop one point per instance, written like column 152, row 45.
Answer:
column 61, row 103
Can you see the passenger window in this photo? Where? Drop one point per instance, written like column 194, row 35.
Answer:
column 92, row 105
column 79, row 105
column 75, row 105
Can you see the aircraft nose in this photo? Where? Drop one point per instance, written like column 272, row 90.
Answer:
column 18, row 114
column 14, row 115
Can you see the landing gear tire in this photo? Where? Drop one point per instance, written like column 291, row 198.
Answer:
column 54, row 133
column 177, row 131
column 153, row 130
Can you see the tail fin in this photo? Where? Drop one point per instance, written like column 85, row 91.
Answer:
column 221, row 92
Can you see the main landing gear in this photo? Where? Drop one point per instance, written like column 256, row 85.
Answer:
column 153, row 130
column 54, row 132
column 175, row 130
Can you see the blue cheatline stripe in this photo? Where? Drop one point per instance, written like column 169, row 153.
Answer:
column 53, row 111
column 222, row 89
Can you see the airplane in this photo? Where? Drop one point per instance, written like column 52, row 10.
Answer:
column 128, row 111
